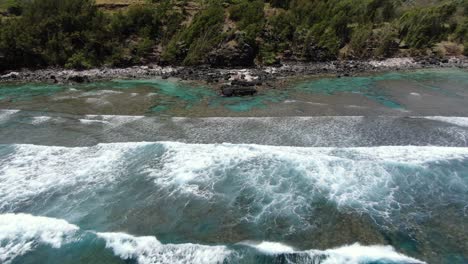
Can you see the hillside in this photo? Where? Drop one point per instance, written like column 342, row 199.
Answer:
column 229, row 33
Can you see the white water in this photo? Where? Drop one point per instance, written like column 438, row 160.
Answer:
column 32, row 170
column 350, row 254
column 21, row 233
column 458, row 121
column 5, row 114
column 148, row 250
column 270, row 248
column 281, row 183
column 37, row 120
column 362, row 178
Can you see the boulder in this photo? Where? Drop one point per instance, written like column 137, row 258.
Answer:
column 230, row 90
column 243, row 83
column 78, row 79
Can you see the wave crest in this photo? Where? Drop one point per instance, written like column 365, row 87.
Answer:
column 350, row 254
column 20, row 233
column 148, row 250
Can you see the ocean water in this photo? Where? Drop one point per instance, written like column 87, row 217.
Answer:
column 385, row 186
column 368, row 86
column 423, row 92
column 167, row 202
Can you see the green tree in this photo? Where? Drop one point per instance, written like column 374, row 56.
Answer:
column 422, row 27
column 193, row 42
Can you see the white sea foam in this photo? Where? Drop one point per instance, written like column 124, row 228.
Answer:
column 100, row 92
column 20, row 233
column 34, row 170
column 362, row 178
column 355, row 106
column 458, row 121
column 97, row 101
column 90, row 121
column 40, row 119
column 289, row 178
column 299, row 101
column 5, row 114
column 350, row 254
column 356, row 254
column 270, row 248
column 148, row 250
column 111, row 120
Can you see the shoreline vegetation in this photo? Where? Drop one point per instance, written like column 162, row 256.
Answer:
column 83, row 34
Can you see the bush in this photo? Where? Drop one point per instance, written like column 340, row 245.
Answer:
column 192, row 43
column 78, row 61
column 53, row 32
column 144, row 47
column 75, row 33
column 280, row 3
column 385, row 41
column 422, row 27
column 250, row 19
column 360, row 40
column 139, row 20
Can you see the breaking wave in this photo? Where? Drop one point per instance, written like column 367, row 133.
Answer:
column 148, row 250
column 278, row 181
column 22, row 234
column 350, row 254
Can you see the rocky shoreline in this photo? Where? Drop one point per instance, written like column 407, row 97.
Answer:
column 232, row 81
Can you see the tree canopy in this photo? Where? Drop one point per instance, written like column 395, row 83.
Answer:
column 77, row 34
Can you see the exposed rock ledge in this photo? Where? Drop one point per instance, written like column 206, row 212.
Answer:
column 221, row 77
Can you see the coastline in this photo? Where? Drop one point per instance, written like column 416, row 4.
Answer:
column 259, row 76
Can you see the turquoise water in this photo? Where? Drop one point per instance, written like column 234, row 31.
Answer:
column 176, row 96
column 171, row 94
column 168, row 202
column 368, row 86
column 245, row 104
column 155, row 202
column 18, row 92
column 174, row 93
column 358, row 85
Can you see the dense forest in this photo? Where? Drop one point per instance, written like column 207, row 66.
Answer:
column 80, row 34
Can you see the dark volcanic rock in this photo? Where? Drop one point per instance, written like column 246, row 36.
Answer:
column 244, row 83
column 230, row 90
column 78, row 79
column 248, row 78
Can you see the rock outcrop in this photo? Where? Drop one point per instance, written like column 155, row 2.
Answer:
column 231, row 90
